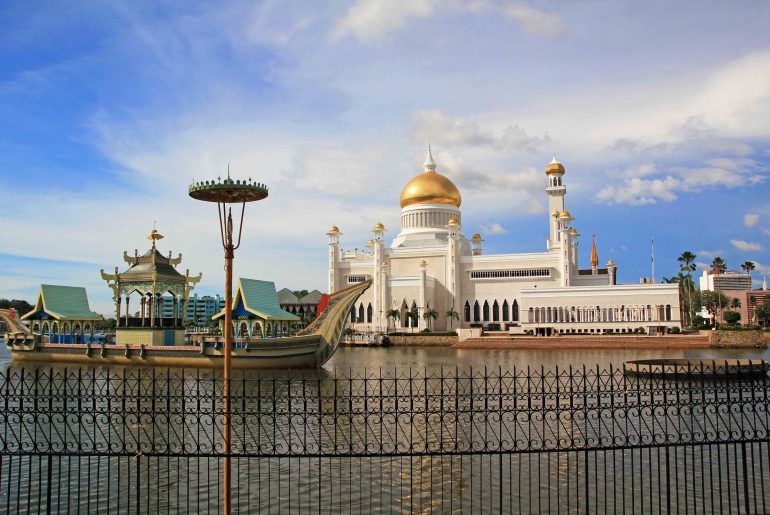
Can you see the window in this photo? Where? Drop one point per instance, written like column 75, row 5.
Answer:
column 476, row 316
column 369, row 313
column 361, row 313
column 352, row 279
column 505, row 311
column 467, row 312
column 510, row 274
column 495, row 312
column 516, row 311
column 486, row 311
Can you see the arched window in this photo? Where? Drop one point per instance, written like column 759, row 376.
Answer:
column 537, row 315
column 352, row 314
column 668, row 312
column 476, row 310
column 361, row 313
column 649, row 313
column 369, row 313
column 530, row 315
column 486, row 311
column 467, row 312
column 561, row 314
column 515, row 317
column 505, row 311
column 495, row 312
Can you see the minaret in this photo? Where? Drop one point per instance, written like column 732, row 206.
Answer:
column 453, row 262
column 594, row 257
column 377, row 275
column 334, row 253
column 612, row 271
column 422, row 297
column 476, row 241
column 555, row 191
column 764, row 282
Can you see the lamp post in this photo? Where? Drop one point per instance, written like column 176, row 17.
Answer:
column 225, row 193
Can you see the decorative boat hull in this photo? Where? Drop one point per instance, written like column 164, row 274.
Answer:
column 303, row 351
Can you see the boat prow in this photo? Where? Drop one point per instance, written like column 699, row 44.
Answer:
column 312, row 347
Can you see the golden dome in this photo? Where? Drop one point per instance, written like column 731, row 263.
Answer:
column 430, row 187
column 554, row 167
column 476, row 237
column 379, row 227
column 565, row 214
column 333, row 230
column 452, row 221
column 371, row 243
column 573, row 232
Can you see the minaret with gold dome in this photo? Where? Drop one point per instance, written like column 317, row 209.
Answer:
column 555, row 191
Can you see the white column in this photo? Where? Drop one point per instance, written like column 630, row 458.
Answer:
column 422, row 297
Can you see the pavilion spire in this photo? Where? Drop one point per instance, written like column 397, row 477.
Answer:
column 594, row 254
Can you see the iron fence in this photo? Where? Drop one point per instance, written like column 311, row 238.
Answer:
column 574, row 440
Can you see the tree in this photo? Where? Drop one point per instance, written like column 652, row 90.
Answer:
column 732, row 317
column 735, row 303
column 452, row 315
column 713, row 302
column 748, row 267
column 687, row 266
column 718, row 266
column 394, row 314
column 762, row 312
column 430, row 315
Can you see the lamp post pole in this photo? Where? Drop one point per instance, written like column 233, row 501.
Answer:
column 224, row 193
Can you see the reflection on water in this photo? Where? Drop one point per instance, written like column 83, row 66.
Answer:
column 281, row 409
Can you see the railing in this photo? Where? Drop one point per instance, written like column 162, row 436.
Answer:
column 519, row 441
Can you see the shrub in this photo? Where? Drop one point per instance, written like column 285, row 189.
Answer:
column 674, row 330
column 732, row 317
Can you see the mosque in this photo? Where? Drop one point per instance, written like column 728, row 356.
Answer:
column 432, row 267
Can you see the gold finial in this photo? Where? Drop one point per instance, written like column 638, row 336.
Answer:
column 154, row 235
column 594, row 254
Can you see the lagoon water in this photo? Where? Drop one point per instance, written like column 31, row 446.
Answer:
column 473, row 482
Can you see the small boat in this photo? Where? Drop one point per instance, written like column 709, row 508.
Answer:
column 312, row 347
column 724, row 368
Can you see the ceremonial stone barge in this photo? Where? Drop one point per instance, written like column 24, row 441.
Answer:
column 266, row 336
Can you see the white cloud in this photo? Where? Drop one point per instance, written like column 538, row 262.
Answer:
column 725, row 172
column 535, row 21
column 434, row 125
column 373, row 20
column 494, row 228
column 710, row 253
column 750, row 219
column 766, row 232
column 746, row 246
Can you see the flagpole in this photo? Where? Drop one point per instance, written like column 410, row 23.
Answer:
column 653, row 259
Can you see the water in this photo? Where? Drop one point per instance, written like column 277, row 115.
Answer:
column 651, row 479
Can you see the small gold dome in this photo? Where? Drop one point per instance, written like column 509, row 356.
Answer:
column 452, row 221
column 565, row 214
column 573, row 232
column 379, row 227
column 554, row 167
column 333, row 230
column 476, row 237
column 610, row 263
column 371, row 243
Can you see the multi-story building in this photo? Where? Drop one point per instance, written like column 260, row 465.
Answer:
column 728, row 281
column 198, row 307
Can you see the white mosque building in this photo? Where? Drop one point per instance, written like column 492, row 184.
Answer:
column 431, row 265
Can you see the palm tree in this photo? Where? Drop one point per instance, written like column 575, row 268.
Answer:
column 394, row 314
column 735, row 303
column 452, row 315
column 430, row 315
column 748, row 267
column 718, row 266
column 687, row 266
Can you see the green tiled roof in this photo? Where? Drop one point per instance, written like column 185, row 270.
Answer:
column 64, row 302
column 261, row 299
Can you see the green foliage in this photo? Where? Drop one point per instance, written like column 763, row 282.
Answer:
column 674, row 330
column 763, row 312
column 300, row 293
column 22, row 307
column 715, row 302
column 430, row 315
column 732, row 317
column 107, row 324
column 426, row 330
column 348, row 331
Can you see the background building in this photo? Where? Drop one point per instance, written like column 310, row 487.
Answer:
column 431, row 266
column 198, row 307
column 728, row 281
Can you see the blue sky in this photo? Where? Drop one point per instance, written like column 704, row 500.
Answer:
column 660, row 112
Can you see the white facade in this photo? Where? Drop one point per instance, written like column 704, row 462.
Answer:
column 431, row 265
